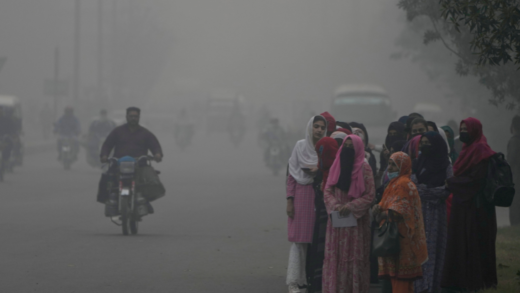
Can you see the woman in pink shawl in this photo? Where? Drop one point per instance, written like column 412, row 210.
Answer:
column 350, row 190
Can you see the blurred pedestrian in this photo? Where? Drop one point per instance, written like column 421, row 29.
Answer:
column 401, row 203
column 303, row 165
column 513, row 158
column 349, row 190
column 470, row 263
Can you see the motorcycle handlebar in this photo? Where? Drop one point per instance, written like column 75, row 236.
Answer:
column 138, row 159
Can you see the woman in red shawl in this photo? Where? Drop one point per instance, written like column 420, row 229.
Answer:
column 470, row 263
column 326, row 148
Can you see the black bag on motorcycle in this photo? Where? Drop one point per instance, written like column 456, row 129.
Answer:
column 103, row 192
column 147, row 181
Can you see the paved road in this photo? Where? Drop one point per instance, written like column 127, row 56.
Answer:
column 221, row 227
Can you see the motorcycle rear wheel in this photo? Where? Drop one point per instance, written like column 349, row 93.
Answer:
column 2, row 171
column 125, row 214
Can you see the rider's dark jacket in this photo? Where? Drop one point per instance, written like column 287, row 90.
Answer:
column 126, row 142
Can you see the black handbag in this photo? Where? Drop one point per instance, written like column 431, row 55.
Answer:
column 386, row 240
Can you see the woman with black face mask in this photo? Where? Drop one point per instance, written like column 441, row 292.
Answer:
column 433, row 167
column 350, row 192
column 470, row 262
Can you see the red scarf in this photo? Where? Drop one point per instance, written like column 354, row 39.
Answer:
column 331, row 122
column 473, row 152
column 326, row 148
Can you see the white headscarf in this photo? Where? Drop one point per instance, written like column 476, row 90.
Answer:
column 304, row 155
column 443, row 134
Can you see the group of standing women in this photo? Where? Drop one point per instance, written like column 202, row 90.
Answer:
column 420, row 178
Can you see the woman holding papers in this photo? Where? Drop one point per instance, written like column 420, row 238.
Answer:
column 348, row 196
column 401, row 203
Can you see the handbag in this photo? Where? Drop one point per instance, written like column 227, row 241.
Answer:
column 386, row 240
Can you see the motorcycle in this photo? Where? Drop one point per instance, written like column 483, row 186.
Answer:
column 129, row 204
column 4, row 144
column 183, row 135
column 16, row 158
column 275, row 158
column 68, row 151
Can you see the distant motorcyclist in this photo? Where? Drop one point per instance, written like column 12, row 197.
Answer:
column 102, row 126
column 17, row 132
column 68, row 126
column 236, row 124
column 183, row 129
column 7, row 133
column 130, row 139
column 273, row 135
column 98, row 130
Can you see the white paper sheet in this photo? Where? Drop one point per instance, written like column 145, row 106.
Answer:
column 340, row 222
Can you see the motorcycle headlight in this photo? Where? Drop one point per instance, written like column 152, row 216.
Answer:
column 127, row 167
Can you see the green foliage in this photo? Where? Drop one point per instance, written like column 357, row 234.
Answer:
column 483, row 34
column 494, row 24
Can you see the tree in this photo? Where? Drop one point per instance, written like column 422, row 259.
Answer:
column 483, row 34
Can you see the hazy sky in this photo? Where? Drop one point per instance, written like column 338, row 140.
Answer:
column 268, row 50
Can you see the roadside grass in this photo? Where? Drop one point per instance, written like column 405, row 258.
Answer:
column 508, row 260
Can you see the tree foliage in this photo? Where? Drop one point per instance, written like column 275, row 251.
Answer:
column 483, row 34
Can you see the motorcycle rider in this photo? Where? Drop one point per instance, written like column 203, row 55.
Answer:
column 130, row 139
column 273, row 134
column 16, row 122
column 102, row 126
column 7, row 132
column 183, row 129
column 68, row 126
column 236, row 123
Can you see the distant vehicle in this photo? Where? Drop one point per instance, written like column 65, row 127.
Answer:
column 221, row 106
column 13, row 105
column 369, row 104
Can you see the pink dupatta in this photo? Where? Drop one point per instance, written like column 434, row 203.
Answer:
column 357, row 186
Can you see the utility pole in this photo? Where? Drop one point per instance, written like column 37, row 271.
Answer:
column 77, row 32
column 100, row 54
column 56, row 77
column 114, row 89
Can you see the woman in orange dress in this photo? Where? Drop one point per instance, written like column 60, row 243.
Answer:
column 401, row 203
